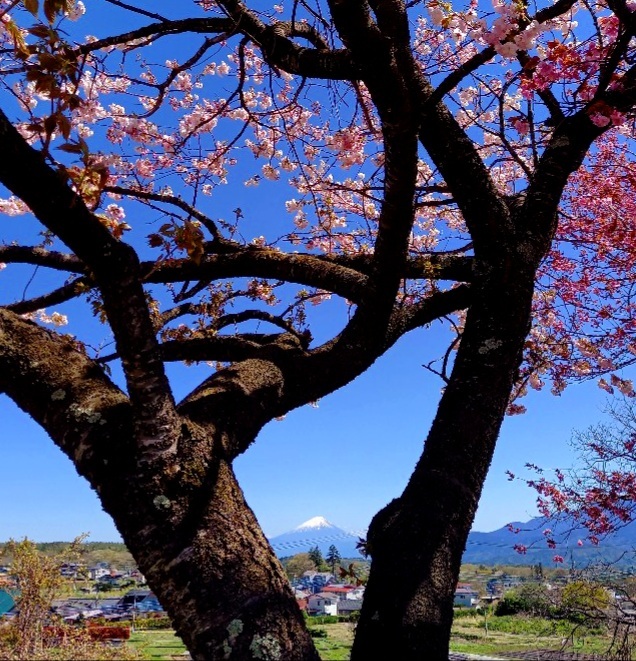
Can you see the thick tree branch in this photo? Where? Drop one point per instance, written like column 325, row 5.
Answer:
column 484, row 211
column 228, row 348
column 273, row 39
column 58, row 261
column 457, row 268
column 64, row 391
column 422, row 313
column 116, row 270
column 345, row 276
column 287, row 374
column 263, row 263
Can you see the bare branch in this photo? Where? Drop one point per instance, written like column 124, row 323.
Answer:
column 137, row 10
column 179, row 202
column 60, row 295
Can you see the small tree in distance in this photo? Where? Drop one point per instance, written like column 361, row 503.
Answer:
column 315, row 554
column 333, row 559
column 35, row 634
column 39, row 581
column 298, row 564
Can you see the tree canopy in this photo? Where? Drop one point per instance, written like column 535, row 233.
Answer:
column 413, row 162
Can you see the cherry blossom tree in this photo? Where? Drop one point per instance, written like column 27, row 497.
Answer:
column 414, row 162
column 599, row 495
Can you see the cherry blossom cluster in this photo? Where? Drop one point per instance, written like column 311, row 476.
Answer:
column 187, row 127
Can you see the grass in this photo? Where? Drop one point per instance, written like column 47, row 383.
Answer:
column 505, row 634
column 519, row 634
column 336, row 646
column 166, row 645
column 160, row 645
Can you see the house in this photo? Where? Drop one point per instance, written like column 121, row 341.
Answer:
column 345, row 591
column 72, row 609
column 348, row 606
column 7, row 602
column 70, row 569
column 503, row 583
column 465, row 596
column 322, row 603
column 137, row 576
column 315, row 581
column 97, row 572
column 141, row 601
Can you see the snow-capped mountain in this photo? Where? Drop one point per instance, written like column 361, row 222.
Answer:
column 317, row 531
column 315, row 523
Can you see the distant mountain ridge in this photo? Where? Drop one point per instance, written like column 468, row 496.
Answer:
column 497, row 547
column 316, row 531
column 486, row 548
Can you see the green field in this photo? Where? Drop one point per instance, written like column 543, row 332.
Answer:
column 505, row 634
column 526, row 634
column 158, row 645
column 333, row 645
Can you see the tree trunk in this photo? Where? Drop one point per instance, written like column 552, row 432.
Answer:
column 182, row 515
column 417, row 541
column 217, row 576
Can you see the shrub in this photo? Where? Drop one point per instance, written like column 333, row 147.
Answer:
column 533, row 626
column 530, row 599
column 332, row 619
column 459, row 613
column 154, row 622
column 97, row 632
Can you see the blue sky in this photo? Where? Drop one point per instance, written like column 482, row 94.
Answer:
column 343, row 460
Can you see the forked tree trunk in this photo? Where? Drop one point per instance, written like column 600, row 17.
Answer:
column 217, row 576
column 182, row 515
column 418, row 540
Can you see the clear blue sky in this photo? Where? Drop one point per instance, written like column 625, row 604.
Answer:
column 343, row 460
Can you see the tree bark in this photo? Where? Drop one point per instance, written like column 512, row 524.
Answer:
column 183, row 516
column 417, row 541
column 223, row 587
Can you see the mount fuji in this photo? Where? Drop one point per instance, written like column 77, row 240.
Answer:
column 317, row 531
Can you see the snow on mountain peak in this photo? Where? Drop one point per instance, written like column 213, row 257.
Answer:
column 313, row 523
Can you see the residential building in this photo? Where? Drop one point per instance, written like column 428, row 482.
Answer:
column 348, row 606
column 322, row 603
column 465, row 596
column 7, row 602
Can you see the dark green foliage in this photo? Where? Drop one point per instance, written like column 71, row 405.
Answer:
column 316, row 556
column 327, row 619
column 459, row 613
column 333, row 558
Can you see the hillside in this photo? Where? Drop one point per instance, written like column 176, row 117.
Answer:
column 113, row 553
column 496, row 547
